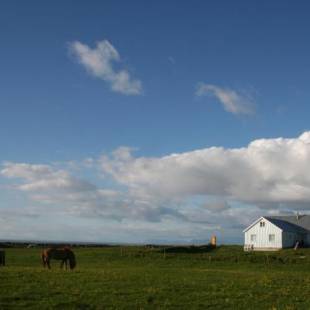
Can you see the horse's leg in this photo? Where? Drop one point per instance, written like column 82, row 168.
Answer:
column 48, row 263
column 64, row 263
column 43, row 261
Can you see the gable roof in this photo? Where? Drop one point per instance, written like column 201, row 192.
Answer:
column 300, row 224
column 253, row 224
column 286, row 225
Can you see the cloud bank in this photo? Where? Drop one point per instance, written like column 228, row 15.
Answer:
column 231, row 101
column 192, row 193
column 49, row 185
column 98, row 62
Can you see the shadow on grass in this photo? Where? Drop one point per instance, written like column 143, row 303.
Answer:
column 189, row 249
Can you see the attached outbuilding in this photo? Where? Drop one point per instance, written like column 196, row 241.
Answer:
column 277, row 232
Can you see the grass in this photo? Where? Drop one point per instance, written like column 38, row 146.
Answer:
column 140, row 278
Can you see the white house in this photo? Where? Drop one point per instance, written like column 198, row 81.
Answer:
column 277, row 232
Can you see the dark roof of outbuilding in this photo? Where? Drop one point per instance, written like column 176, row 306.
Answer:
column 299, row 224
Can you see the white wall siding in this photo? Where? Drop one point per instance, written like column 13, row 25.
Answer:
column 262, row 236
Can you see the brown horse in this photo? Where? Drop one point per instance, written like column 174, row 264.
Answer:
column 63, row 254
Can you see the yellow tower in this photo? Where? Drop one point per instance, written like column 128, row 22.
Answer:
column 213, row 241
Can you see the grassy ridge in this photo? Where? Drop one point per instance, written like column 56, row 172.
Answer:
column 139, row 278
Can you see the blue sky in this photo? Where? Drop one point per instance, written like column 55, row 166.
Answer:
column 80, row 80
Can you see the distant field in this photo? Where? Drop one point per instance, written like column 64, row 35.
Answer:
column 140, row 278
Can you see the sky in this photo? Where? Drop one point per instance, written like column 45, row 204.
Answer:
column 152, row 122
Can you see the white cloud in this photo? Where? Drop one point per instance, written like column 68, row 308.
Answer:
column 44, row 178
column 99, row 63
column 232, row 101
column 266, row 171
column 26, row 171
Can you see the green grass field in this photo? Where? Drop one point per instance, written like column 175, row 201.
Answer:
column 140, row 278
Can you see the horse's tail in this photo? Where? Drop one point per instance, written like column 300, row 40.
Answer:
column 72, row 261
column 43, row 258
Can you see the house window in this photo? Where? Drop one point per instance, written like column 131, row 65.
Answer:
column 253, row 238
column 262, row 224
column 272, row 238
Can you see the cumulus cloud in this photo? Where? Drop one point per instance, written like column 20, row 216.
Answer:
column 232, row 101
column 266, row 171
column 98, row 62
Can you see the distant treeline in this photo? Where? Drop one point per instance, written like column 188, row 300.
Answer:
column 50, row 244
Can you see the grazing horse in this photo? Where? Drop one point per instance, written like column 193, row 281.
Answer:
column 63, row 254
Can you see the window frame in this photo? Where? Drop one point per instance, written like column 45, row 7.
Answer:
column 272, row 240
column 253, row 237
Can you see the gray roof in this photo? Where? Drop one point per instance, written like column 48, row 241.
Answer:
column 294, row 223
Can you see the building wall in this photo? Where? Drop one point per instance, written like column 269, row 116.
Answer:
column 262, row 236
column 289, row 239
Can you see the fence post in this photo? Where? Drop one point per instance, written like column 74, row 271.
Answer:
column 2, row 258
